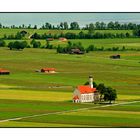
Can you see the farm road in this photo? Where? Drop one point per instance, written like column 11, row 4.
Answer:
column 61, row 112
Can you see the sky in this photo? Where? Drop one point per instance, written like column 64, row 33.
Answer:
column 39, row 19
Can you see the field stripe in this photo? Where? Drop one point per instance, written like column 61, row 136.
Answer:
column 61, row 112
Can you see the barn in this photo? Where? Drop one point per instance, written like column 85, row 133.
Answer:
column 86, row 93
column 4, row 71
column 48, row 70
column 115, row 56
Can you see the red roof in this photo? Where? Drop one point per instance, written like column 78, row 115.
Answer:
column 4, row 70
column 75, row 97
column 86, row 89
column 63, row 39
column 48, row 69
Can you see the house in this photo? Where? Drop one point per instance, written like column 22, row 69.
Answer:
column 76, row 51
column 4, row 71
column 115, row 56
column 48, row 70
column 63, row 39
column 49, row 39
column 86, row 93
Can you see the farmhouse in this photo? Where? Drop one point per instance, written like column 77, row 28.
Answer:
column 115, row 56
column 76, row 51
column 4, row 71
column 48, row 70
column 63, row 39
column 86, row 93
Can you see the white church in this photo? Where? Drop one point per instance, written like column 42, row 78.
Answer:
column 86, row 93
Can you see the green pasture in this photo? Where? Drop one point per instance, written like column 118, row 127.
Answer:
column 16, row 124
column 109, row 43
column 25, row 92
column 95, row 117
column 113, row 116
column 71, row 70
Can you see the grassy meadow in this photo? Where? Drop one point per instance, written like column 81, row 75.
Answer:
column 25, row 92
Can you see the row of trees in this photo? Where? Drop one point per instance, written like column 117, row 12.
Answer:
column 23, row 26
column 123, row 48
column 112, row 25
column 75, row 26
column 106, row 93
column 20, row 45
column 90, row 48
column 82, row 35
column 61, row 49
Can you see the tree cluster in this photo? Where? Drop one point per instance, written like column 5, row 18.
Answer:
column 70, row 47
column 18, row 45
column 36, row 44
column 18, row 35
column 106, row 93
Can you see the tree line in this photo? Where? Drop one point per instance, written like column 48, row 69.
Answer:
column 80, row 35
column 69, row 49
column 75, row 26
column 70, row 35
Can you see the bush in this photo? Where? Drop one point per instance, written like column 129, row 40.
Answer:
column 36, row 44
column 2, row 43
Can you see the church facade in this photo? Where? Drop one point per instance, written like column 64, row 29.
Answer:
column 85, row 93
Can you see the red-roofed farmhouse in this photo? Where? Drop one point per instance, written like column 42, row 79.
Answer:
column 48, row 70
column 4, row 71
column 86, row 93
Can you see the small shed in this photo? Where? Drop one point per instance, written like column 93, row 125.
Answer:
column 115, row 56
column 63, row 39
column 4, row 72
column 48, row 70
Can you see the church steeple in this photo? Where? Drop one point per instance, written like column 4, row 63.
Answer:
column 91, row 81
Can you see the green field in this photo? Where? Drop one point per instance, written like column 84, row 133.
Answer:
column 25, row 92
column 106, row 43
column 128, row 43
